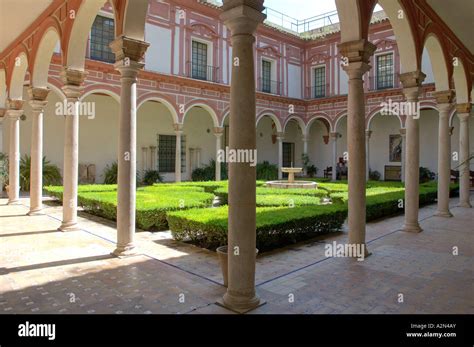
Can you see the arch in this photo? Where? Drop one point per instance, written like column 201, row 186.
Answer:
column 3, row 88
column 202, row 104
column 169, row 104
column 43, row 55
column 130, row 17
column 76, row 36
column 350, row 20
column 461, row 83
column 323, row 117
column 376, row 112
column 224, row 116
column 426, row 105
column 340, row 116
column 101, row 89
column 438, row 61
column 272, row 115
column 404, row 29
column 54, row 88
column 17, row 78
column 298, row 120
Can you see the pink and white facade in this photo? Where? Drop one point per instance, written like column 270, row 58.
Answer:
column 169, row 98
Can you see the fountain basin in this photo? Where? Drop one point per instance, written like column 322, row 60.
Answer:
column 292, row 185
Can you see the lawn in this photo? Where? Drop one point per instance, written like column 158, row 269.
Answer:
column 284, row 216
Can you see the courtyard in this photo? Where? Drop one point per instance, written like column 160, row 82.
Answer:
column 49, row 271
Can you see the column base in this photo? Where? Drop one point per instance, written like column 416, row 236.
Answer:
column 125, row 251
column 70, row 226
column 465, row 205
column 35, row 212
column 412, row 228
column 238, row 304
column 13, row 202
column 444, row 214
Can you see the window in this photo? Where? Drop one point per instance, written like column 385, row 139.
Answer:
column 199, row 61
column 102, row 34
column 385, row 71
column 266, row 76
column 319, row 82
column 167, row 153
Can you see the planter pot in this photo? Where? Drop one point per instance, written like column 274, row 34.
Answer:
column 224, row 261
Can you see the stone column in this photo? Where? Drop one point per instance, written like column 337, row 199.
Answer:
column 280, row 137
column 153, row 165
column 178, row 129
column 358, row 54
column 404, row 150
column 305, row 149
column 463, row 111
column 198, row 157
column 218, row 132
column 13, row 113
column 412, row 82
column 72, row 88
column 128, row 56
column 144, row 159
column 334, row 137
column 38, row 103
column 444, row 100
column 368, row 133
column 242, row 18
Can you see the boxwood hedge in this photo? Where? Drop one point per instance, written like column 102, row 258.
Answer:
column 276, row 226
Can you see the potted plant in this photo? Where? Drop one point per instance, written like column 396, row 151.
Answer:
column 3, row 172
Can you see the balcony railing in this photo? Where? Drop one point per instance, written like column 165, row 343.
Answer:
column 317, row 92
column 374, row 85
column 202, row 72
column 268, row 86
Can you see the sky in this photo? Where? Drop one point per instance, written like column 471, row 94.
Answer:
column 301, row 9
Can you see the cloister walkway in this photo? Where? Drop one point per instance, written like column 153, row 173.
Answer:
column 47, row 271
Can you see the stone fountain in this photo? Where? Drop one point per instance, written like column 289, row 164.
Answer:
column 291, row 183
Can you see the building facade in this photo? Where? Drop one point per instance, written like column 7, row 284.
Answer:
column 184, row 92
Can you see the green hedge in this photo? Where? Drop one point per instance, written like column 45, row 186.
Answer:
column 280, row 197
column 152, row 203
column 276, row 226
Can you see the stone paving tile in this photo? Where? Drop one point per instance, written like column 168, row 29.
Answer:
column 55, row 272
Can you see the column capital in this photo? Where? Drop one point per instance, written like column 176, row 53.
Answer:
column 178, row 128
column 73, row 82
column 125, row 47
column 280, row 135
column 334, row 135
column 463, row 117
column 444, row 96
column 15, row 104
column 218, row 131
column 403, row 132
column 358, row 51
column 368, row 133
column 464, row 108
column 242, row 16
column 38, row 98
column 305, row 138
column 412, row 79
column 2, row 112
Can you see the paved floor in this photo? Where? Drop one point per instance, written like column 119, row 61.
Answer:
column 46, row 271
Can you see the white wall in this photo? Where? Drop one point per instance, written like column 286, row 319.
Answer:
column 294, row 135
column 294, row 81
column 320, row 153
column 426, row 67
column 266, row 149
column 158, row 55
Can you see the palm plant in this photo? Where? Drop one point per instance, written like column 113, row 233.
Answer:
column 51, row 173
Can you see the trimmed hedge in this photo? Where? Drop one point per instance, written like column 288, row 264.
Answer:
column 280, row 197
column 276, row 227
column 152, row 203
